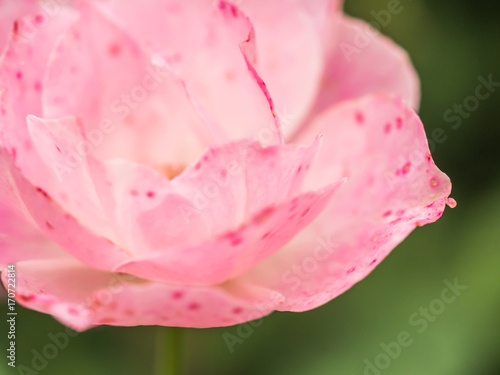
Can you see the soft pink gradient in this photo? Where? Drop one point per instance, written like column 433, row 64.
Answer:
column 201, row 163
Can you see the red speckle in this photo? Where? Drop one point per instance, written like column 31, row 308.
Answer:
column 387, row 213
column 25, row 298
column 96, row 301
column 439, row 213
column 177, row 294
column 400, row 213
column 266, row 235
column 360, row 118
column 150, row 194
column 223, row 6
column 237, row 310
column 434, row 182
column 16, row 27
column 134, row 193
column 299, row 169
column 43, row 192
column 223, row 173
column 236, row 241
column 264, row 215
column 373, row 262
column 197, row 166
column 234, row 11
column 387, row 128
column 19, row 75
column 38, row 19
column 115, row 49
column 50, row 226
column 306, row 211
column 399, row 122
column 406, row 168
column 38, row 86
column 429, row 158
column 351, row 270
column 72, row 311
column 193, row 306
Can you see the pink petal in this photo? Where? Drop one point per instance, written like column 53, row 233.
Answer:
column 225, row 189
column 195, row 35
column 22, row 68
column 20, row 240
column 81, row 298
column 235, row 181
column 289, row 54
column 58, row 144
column 13, row 10
column 124, row 97
column 8, row 191
column 235, row 252
column 61, row 227
column 393, row 185
column 361, row 61
column 142, row 205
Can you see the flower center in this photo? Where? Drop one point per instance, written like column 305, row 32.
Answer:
column 171, row 171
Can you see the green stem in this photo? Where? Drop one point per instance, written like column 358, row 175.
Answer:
column 168, row 351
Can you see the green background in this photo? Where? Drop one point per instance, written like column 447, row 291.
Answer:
column 452, row 44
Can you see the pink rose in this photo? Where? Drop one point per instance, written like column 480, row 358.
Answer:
column 199, row 164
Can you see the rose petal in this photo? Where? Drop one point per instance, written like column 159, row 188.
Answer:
column 233, row 253
column 123, row 97
column 361, row 61
column 21, row 73
column 58, row 144
column 81, row 298
column 235, row 181
column 22, row 68
column 225, row 189
column 379, row 144
column 13, row 10
column 55, row 223
column 130, row 193
column 195, row 35
column 289, row 55
column 20, row 240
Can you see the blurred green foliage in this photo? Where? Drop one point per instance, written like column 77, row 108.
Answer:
column 451, row 44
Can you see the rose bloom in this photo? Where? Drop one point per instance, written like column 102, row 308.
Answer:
column 201, row 163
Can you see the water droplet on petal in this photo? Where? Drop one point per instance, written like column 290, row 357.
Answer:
column 452, row 203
